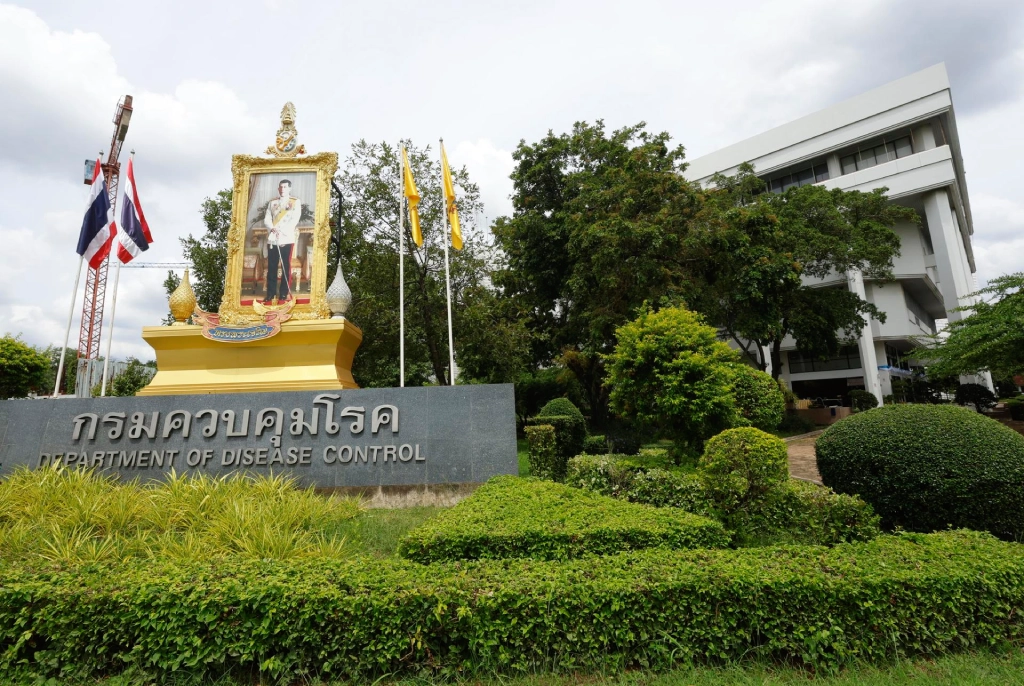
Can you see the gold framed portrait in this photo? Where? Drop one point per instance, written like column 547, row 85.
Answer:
column 280, row 230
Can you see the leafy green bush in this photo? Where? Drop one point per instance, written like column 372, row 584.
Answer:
column 544, row 460
column 358, row 620
column 560, row 407
column 513, row 517
column 862, row 400
column 759, row 400
column 595, row 445
column 625, row 443
column 926, row 467
column 671, row 488
column 613, row 474
column 975, row 394
column 740, row 466
column 798, row 512
column 669, row 371
column 1016, row 408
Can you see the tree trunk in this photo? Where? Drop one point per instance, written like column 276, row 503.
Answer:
column 776, row 358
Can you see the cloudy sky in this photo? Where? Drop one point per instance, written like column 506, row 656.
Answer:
column 209, row 78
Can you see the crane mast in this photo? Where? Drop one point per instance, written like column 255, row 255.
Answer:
column 96, row 279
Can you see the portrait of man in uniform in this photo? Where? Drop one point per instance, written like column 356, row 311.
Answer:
column 279, row 237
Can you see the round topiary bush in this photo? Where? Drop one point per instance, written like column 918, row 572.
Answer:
column 741, row 465
column 560, row 407
column 862, row 400
column 759, row 400
column 927, row 467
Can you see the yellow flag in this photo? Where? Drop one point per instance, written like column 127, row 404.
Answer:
column 413, row 195
column 449, row 201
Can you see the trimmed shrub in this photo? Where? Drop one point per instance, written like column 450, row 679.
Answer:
column 975, row 394
column 926, row 467
column 862, row 400
column 595, row 445
column 568, row 440
column 740, row 465
column 613, row 474
column 560, row 407
column 544, row 460
column 358, row 620
column 759, row 400
column 798, row 512
column 512, row 517
column 1016, row 409
column 669, row 371
column 671, row 488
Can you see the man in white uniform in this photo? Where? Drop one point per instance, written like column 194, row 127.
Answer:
column 282, row 217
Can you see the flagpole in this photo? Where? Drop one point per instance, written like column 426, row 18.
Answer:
column 447, row 279
column 67, row 334
column 110, row 335
column 401, row 267
column 113, row 304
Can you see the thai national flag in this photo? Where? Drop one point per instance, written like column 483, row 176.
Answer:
column 98, row 225
column 134, row 237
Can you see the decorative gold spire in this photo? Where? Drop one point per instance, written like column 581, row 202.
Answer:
column 286, row 144
column 182, row 301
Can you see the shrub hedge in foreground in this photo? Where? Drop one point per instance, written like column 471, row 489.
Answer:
column 513, row 517
column 894, row 596
column 792, row 512
column 927, row 467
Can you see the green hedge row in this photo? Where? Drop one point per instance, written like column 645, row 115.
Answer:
column 894, row 596
column 794, row 512
column 513, row 517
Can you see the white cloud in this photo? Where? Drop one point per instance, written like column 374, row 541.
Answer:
column 489, row 167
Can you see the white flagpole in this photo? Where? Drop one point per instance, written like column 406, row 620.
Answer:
column 401, row 266
column 113, row 304
column 67, row 334
column 447, row 279
column 110, row 328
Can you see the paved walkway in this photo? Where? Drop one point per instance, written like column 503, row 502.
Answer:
column 802, row 463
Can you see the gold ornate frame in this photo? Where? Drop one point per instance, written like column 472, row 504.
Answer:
column 325, row 165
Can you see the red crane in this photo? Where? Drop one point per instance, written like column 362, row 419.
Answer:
column 96, row 279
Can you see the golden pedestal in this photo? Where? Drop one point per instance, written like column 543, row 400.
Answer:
column 306, row 355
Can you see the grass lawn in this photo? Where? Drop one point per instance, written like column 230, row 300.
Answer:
column 377, row 532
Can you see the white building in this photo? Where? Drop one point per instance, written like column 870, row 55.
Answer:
column 902, row 136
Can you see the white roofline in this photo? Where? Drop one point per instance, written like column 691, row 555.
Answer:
column 910, row 88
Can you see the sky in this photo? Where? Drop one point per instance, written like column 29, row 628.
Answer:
column 209, row 79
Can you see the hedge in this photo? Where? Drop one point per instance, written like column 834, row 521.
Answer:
column 928, row 467
column 888, row 598
column 570, row 432
column 544, row 460
column 512, row 517
column 793, row 512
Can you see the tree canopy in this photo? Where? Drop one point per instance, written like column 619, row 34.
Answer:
column 990, row 337
column 756, row 256
column 22, row 368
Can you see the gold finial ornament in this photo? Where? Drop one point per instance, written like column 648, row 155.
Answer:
column 182, row 301
column 287, row 144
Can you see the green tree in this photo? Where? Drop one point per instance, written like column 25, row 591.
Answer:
column 70, row 369
column 670, row 372
column 22, row 368
column 598, row 226
column 133, row 379
column 750, row 253
column 208, row 254
column 990, row 337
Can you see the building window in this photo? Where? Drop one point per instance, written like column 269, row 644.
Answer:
column 879, row 153
column 802, row 177
column 894, row 360
column 848, row 358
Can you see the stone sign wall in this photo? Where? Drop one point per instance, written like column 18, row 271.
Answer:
column 357, row 438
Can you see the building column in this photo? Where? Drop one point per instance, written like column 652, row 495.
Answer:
column 866, row 343
column 884, row 375
column 954, row 281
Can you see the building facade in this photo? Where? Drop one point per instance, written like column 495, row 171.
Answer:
column 901, row 136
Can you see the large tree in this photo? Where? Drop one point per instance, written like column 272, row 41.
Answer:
column 490, row 341
column 990, row 337
column 752, row 254
column 22, row 368
column 598, row 227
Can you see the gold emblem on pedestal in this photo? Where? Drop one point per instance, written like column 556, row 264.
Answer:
column 287, row 144
column 182, row 301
